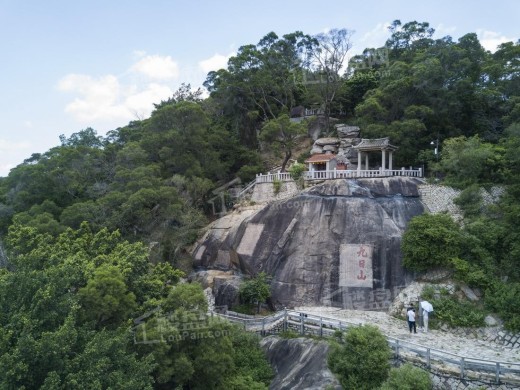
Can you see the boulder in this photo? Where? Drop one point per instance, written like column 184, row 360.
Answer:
column 316, row 150
column 345, row 131
column 226, row 291
column 327, row 141
column 312, row 244
column 299, row 363
column 330, row 148
column 469, row 293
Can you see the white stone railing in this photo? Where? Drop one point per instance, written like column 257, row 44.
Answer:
column 353, row 173
column 340, row 174
column 270, row 177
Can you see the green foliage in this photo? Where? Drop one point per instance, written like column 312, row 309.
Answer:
column 361, row 360
column 148, row 182
column 281, row 135
column 289, row 334
column 407, row 377
column 249, row 359
column 450, row 310
column 504, row 299
column 105, row 299
column 470, row 273
column 248, row 172
column 45, row 341
column 430, row 241
column 256, row 290
column 470, row 201
column 467, row 161
column 296, row 171
column 277, row 186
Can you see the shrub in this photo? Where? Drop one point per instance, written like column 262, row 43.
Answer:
column 504, row 298
column 407, row 377
column 451, row 311
column 296, row 170
column 360, row 359
column 430, row 241
column 277, row 186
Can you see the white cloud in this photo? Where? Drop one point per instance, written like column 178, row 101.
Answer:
column 99, row 98
column 491, row 39
column 104, row 99
column 218, row 61
column 374, row 38
column 12, row 151
column 441, row 30
column 141, row 102
column 108, row 101
column 157, row 67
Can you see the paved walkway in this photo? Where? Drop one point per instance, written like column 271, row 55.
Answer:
column 435, row 339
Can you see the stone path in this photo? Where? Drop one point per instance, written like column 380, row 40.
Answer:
column 435, row 339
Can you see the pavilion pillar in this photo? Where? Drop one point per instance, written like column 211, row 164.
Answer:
column 359, row 160
column 390, row 158
column 366, row 161
column 383, row 162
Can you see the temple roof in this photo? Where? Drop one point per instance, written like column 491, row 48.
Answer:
column 374, row 144
column 323, row 157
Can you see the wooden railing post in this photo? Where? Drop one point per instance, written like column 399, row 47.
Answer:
column 428, row 358
column 461, row 368
column 497, row 373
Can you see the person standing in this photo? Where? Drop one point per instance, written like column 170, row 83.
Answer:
column 411, row 319
column 425, row 320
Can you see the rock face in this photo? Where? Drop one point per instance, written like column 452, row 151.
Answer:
column 337, row 244
column 299, row 363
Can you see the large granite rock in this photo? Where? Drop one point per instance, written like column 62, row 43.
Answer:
column 299, row 364
column 337, row 244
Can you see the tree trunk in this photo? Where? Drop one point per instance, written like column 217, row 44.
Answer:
column 288, row 155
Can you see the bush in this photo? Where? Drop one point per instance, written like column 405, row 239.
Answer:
column 430, row 241
column 277, row 186
column 407, row 377
column 469, row 273
column 296, row 170
column 504, row 299
column 256, row 290
column 248, row 172
column 360, row 359
column 451, row 311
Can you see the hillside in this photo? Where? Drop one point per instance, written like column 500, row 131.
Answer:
column 96, row 234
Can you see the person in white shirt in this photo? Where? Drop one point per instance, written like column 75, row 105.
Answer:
column 411, row 320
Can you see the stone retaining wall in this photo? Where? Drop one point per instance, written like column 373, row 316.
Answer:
column 264, row 192
column 438, row 199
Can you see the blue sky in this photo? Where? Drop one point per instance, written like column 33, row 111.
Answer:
column 69, row 65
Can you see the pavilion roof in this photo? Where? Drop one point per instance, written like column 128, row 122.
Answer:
column 375, row 144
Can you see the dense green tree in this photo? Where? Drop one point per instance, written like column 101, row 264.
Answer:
column 471, row 161
column 282, row 135
column 256, row 290
column 260, row 82
column 430, row 241
column 360, row 358
column 407, row 377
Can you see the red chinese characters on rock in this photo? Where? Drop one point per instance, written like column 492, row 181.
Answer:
column 361, row 262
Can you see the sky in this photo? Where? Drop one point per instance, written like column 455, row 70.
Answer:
column 69, row 65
